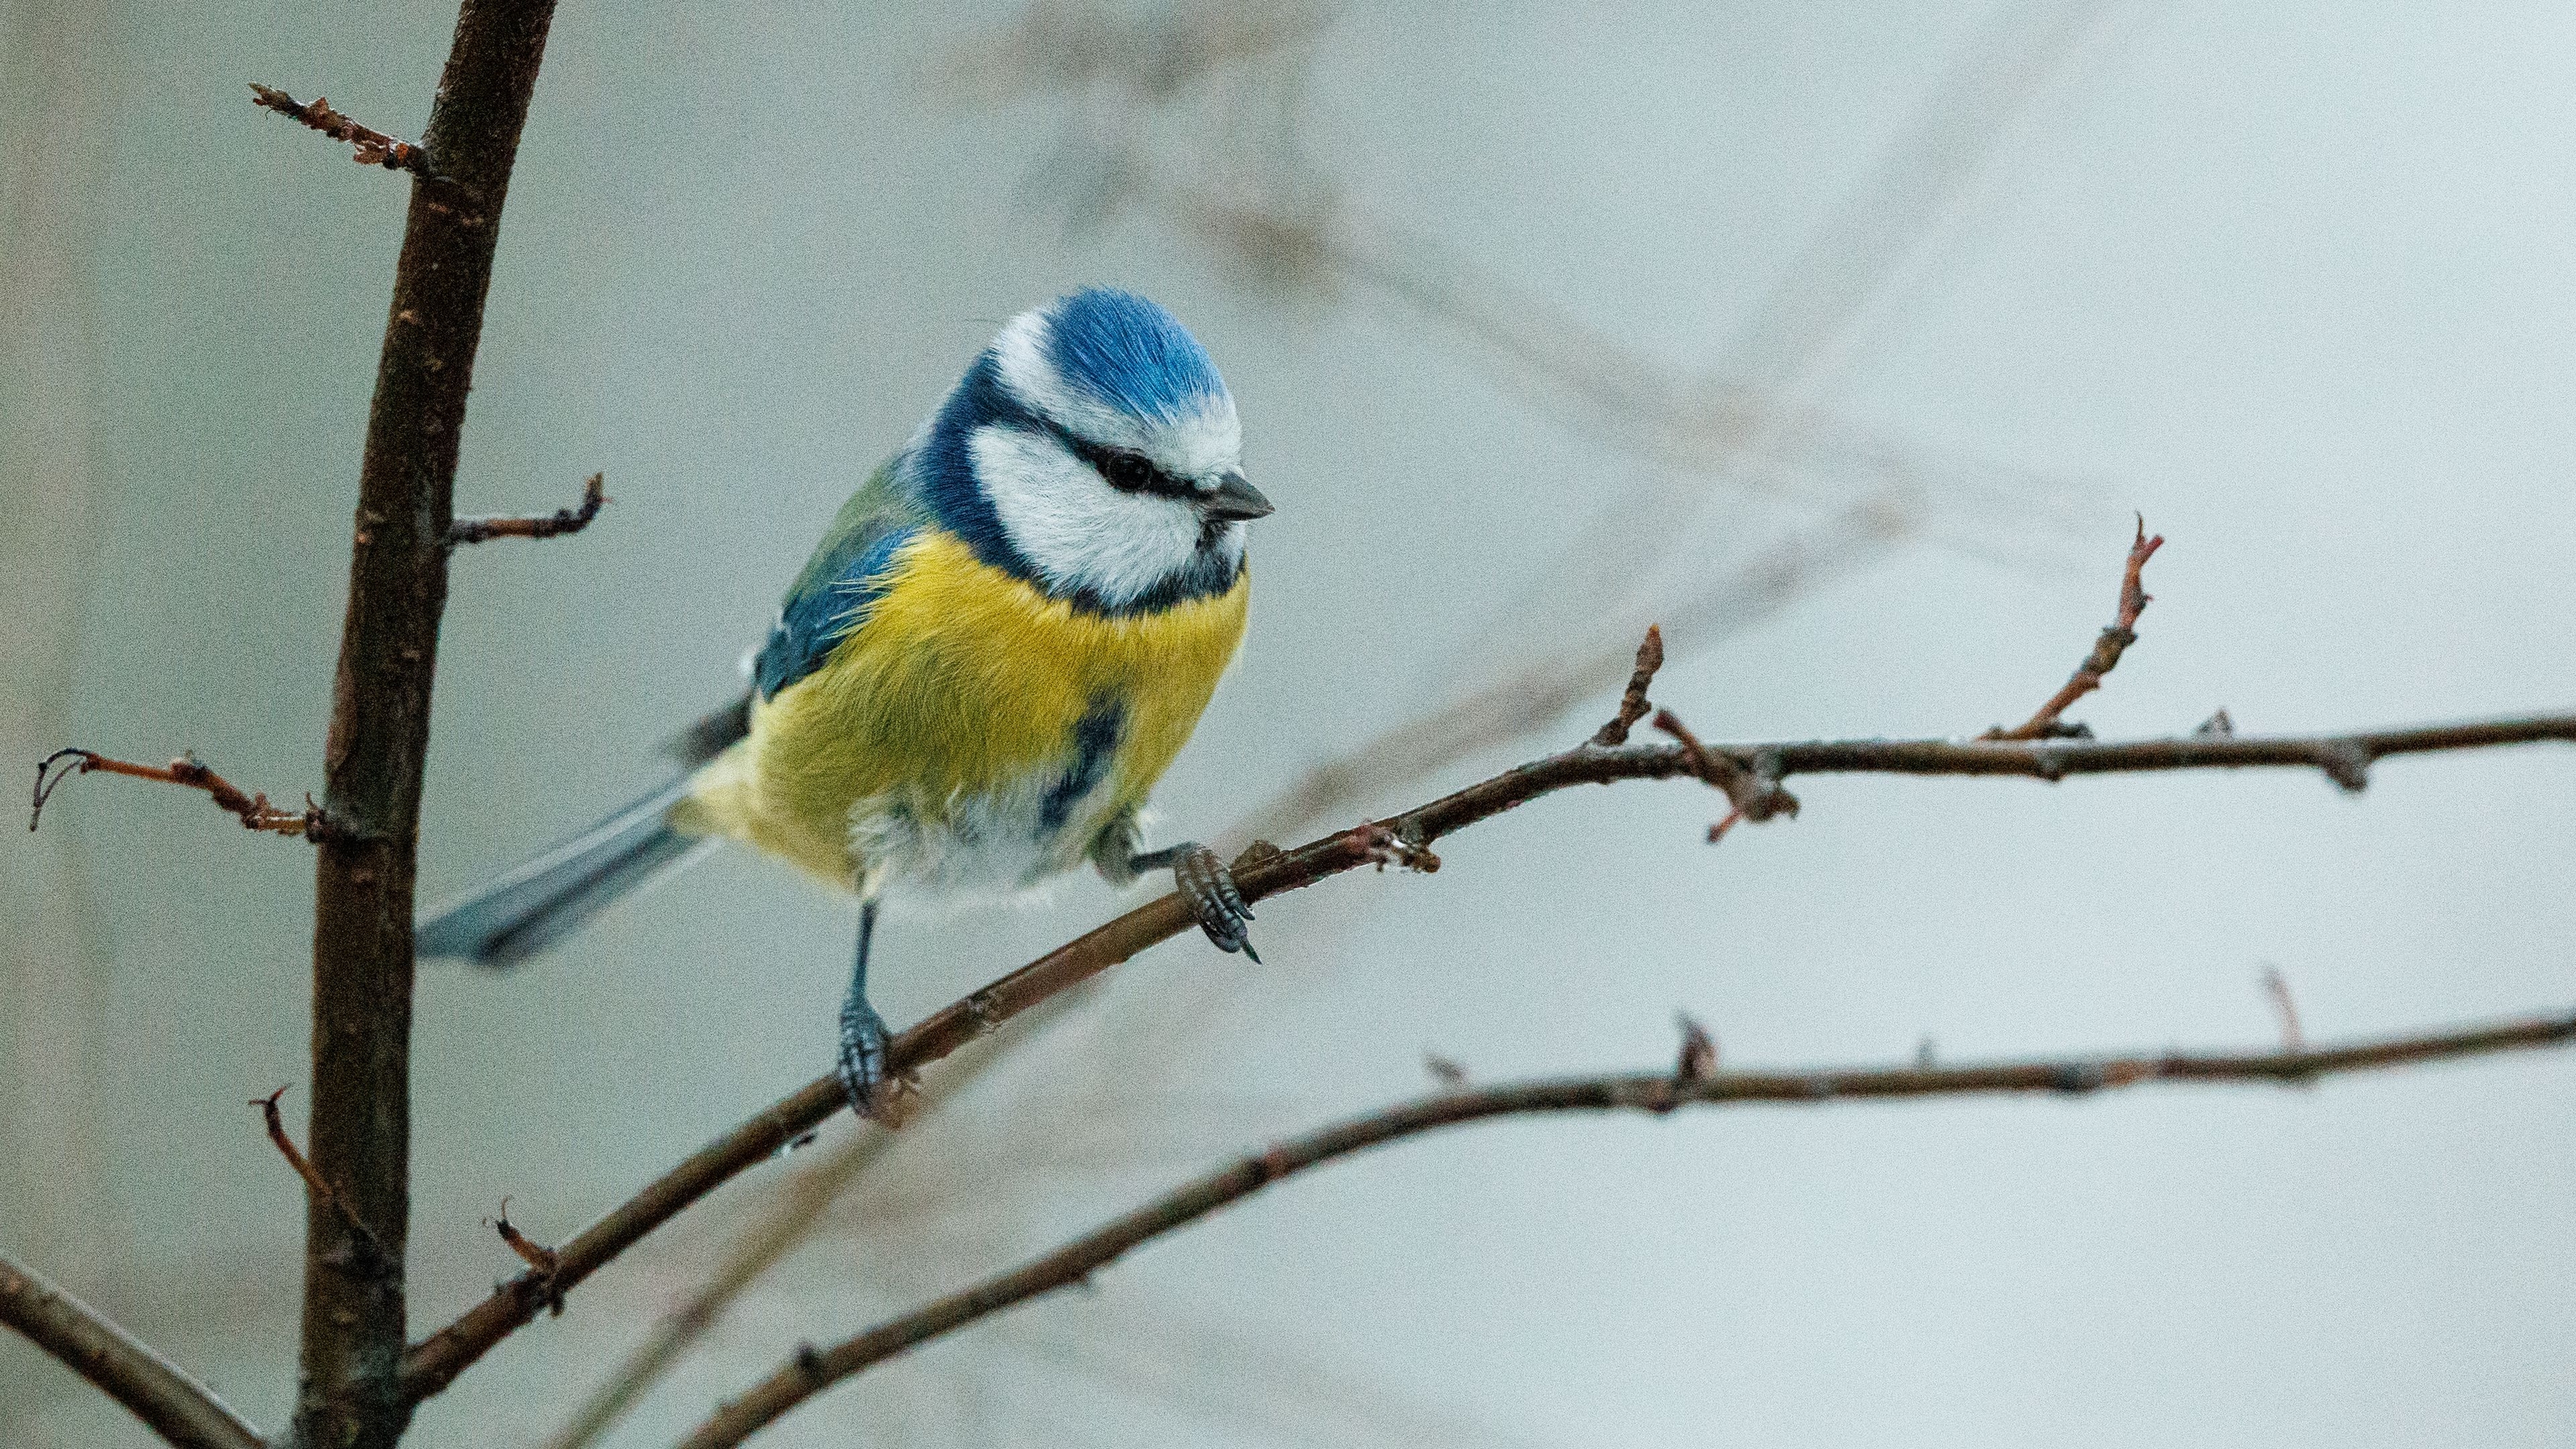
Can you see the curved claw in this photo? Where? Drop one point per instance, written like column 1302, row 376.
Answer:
column 1204, row 881
column 862, row 1062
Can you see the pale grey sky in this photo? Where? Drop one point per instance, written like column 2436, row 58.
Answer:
column 2290, row 280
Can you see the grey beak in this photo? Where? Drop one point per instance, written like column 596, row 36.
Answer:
column 1234, row 497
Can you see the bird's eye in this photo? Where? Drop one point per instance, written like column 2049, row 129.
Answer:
column 1129, row 472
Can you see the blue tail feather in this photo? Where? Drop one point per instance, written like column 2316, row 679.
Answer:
column 544, row 900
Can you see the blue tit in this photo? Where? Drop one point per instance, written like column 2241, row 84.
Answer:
column 1001, row 643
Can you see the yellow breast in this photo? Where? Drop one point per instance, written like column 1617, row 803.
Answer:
column 958, row 703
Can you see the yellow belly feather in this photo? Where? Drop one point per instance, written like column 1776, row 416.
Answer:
column 965, row 682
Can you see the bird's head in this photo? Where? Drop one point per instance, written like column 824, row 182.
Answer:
column 1093, row 450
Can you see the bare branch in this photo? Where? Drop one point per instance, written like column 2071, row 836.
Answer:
column 350, row 1393
column 812, row 1370
column 174, row 1405
column 557, row 524
column 2107, row 650
column 432, row 1364
column 374, row 147
column 254, row 810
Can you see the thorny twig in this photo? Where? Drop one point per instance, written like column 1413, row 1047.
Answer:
column 369, row 1245
column 374, row 147
column 557, row 524
column 2107, row 650
column 813, row 1369
column 254, row 810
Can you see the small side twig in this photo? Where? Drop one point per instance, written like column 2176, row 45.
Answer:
column 369, row 1245
column 1695, row 1063
column 1633, row 704
column 557, row 524
column 2277, row 987
column 2115, row 640
column 254, row 810
column 1756, row 795
column 374, row 147
column 540, row 1259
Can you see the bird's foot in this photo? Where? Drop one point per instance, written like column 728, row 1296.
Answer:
column 1208, row 886
column 862, row 1062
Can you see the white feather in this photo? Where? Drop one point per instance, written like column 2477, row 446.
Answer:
column 1076, row 529
column 1198, row 445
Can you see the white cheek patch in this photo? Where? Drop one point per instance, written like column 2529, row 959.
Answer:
column 1197, row 445
column 1074, row 528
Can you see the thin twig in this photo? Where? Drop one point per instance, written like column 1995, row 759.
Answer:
column 1756, row 795
column 160, row 1393
column 2277, row 987
column 1633, row 703
column 433, row 1363
column 374, row 147
column 254, row 811
column 363, row 1237
column 552, row 525
column 540, row 1259
column 2107, row 649
column 814, row 1369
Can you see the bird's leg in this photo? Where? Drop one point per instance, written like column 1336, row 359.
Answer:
column 863, row 1033
column 1204, row 881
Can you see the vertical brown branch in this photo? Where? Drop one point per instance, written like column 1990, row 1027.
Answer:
column 359, row 1131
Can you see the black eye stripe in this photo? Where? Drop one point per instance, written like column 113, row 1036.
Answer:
column 1125, row 471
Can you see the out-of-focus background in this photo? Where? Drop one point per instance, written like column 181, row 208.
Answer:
column 1842, row 339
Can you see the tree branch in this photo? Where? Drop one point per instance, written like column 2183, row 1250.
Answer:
column 175, row 1406
column 1262, row 872
column 1693, row 1083
column 551, row 525
column 359, row 1131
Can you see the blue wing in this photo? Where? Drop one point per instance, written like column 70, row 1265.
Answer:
column 831, row 597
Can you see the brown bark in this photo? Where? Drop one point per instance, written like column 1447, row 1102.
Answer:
column 359, row 1131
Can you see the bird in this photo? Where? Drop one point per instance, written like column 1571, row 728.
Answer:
column 1002, row 641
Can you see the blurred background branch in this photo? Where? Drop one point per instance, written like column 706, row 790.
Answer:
column 59, row 62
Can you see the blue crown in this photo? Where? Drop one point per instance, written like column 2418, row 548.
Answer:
column 1130, row 354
